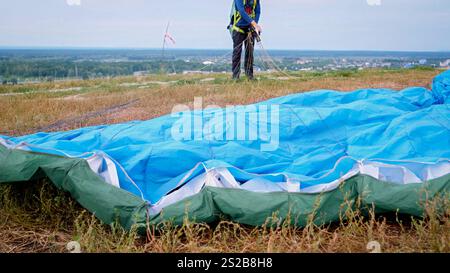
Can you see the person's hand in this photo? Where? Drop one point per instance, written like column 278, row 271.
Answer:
column 257, row 27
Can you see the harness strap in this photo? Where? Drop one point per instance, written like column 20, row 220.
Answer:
column 238, row 16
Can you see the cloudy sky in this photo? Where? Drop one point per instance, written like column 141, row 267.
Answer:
column 287, row 24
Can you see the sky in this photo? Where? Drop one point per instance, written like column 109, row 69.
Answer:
column 400, row 25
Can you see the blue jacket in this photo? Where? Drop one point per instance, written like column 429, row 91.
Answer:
column 246, row 19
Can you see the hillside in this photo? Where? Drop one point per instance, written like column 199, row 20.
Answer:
column 40, row 218
column 30, row 107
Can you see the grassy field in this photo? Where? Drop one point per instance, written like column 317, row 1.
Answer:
column 37, row 218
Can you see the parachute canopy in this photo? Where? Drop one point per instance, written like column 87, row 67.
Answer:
column 291, row 155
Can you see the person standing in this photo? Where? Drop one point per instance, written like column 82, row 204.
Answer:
column 244, row 26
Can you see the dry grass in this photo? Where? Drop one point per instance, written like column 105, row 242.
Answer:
column 39, row 218
column 34, row 108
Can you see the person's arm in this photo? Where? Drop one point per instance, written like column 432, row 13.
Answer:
column 255, row 23
column 241, row 8
column 258, row 11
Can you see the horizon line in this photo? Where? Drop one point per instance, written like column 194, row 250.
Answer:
column 200, row 49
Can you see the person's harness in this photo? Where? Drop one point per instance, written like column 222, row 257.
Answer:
column 236, row 15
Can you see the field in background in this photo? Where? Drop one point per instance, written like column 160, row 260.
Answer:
column 66, row 105
column 40, row 218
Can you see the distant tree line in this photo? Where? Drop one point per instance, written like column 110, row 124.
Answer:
column 12, row 81
column 59, row 68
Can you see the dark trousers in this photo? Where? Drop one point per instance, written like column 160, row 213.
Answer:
column 240, row 39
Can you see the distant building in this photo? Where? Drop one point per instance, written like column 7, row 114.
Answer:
column 141, row 73
column 423, row 62
column 208, row 63
column 303, row 62
column 190, row 72
column 445, row 63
